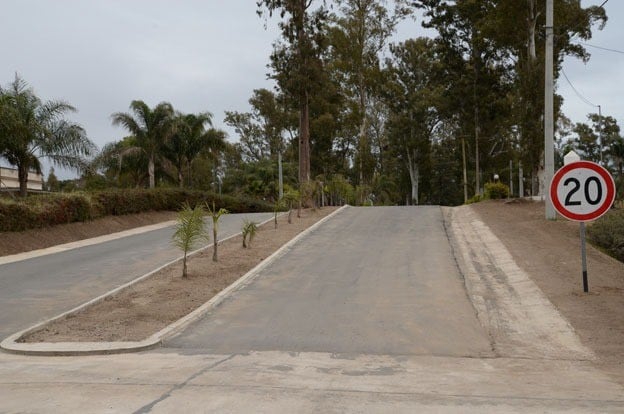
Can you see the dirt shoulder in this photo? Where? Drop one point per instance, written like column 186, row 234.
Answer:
column 148, row 306
column 25, row 241
column 549, row 251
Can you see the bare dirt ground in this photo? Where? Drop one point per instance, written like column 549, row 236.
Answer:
column 24, row 241
column 148, row 306
column 549, row 251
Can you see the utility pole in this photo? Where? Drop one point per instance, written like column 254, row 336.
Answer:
column 549, row 124
column 464, row 169
column 280, row 176
column 600, row 133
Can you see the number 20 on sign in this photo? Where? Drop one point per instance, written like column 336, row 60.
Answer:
column 582, row 191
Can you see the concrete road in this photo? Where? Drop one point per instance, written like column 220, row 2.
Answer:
column 374, row 281
column 42, row 287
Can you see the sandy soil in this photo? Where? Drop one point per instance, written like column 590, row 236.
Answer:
column 549, row 251
column 150, row 305
column 24, row 241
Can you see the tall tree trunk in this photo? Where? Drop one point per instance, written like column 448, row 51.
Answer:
column 532, row 22
column 150, row 171
column 215, row 244
column 180, row 176
column 304, row 104
column 304, row 140
column 475, row 64
column 412, row 167
column 22, row 175
column 363, row 142
column 463, row 142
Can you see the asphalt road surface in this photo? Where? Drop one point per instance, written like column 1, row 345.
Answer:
column 368, row 313
column 42, row 287
column 374, row 281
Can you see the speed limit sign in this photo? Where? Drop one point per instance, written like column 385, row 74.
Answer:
column 582, row 191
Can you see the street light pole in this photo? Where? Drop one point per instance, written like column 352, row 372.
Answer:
column 549, row 155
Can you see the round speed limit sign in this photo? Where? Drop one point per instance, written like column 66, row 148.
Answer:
column 582, row 191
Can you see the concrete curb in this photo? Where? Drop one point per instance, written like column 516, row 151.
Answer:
column 11, row 345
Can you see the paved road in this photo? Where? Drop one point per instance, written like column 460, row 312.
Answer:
column 366, row 314
column 36, row 289
column 375, row 281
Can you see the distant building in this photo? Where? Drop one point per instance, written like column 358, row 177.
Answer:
column 9, row 180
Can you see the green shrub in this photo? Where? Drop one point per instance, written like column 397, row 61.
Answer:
column 58, row 208
column 608, row 233
column 474, row 199
column 496, row 190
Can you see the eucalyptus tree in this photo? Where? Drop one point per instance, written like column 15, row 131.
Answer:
column 359, row 33
column 594, row 141
column 151, row 129
column 573, row 23
column 295, row 61
column 413, row 93
column 261, row 130
column 31, row 129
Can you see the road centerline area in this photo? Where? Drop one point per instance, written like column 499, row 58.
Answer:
column 373, row 281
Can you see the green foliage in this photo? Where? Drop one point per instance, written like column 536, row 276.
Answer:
column 340, row 190
column 150, row 127
column 31, row 129
column 291, row 196
column 475, row 199
column 49, row 210
column 44, row 211
column 608, row 233
column 250, row 228
column 496, row 190
column 190, row 230
column 52, row 183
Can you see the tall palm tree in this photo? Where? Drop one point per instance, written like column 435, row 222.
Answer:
column 31, row 129
column 191, row 138
column 150, row 127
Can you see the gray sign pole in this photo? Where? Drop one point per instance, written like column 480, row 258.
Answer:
column 584, row 258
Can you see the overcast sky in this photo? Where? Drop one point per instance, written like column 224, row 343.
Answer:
column 202, row 55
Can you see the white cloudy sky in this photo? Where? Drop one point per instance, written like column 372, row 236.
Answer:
column 200, row 55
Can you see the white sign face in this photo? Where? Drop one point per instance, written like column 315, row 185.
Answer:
column 582, row 191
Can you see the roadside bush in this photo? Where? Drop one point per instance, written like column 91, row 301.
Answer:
column 52, row 209
column 43, row 211
column 496, row 190
column 474, row 199
column 608, row 233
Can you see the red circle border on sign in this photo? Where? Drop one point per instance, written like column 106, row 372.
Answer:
column 606, row 176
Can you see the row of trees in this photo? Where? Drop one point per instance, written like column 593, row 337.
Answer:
column 420, row 121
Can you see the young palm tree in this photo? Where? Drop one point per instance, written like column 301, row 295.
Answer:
column 250, row 228
column 291, row 197
column 31, row 129
column 151, row 128
column 216, row 215
column 190, row 229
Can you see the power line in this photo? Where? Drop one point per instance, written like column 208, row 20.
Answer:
column 602, row 48
column 581, row 97
column 603, row 3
